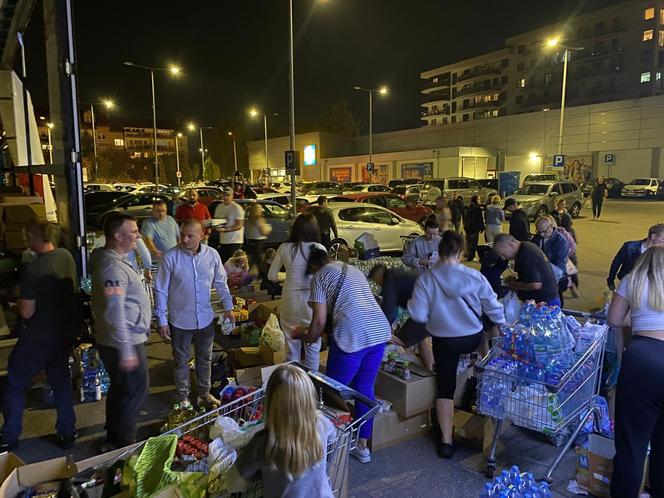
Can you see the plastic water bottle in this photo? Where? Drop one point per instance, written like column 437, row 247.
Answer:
column 487, row 492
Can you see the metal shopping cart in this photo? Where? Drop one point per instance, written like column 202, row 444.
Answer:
column 244, row 408
column 558, row 411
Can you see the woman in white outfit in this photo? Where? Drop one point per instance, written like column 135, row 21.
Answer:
column 295, row 315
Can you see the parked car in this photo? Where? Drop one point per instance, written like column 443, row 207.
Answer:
column 285, row 200
column 409, row 210
column 403, row 181
column 275, row 214
column 152, row 189
column 137, row 205
column 614, row 185
column 409, row 193
column 207, row 195
column 390, row 229
column 124, row 187
column 98, row 187
column 321, row 188
column 488, row 188
column 540, row 198
column 644, row 187
column 541, row 177
column 435, row 187
column 367, row 187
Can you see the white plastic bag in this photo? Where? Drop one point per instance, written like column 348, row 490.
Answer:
column 512, row 306
column 232, row 434
column 272, row 335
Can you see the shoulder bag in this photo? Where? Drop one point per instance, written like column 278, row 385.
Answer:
column 330, row 310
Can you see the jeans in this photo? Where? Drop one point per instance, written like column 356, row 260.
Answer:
column 311, row 352
column 226, row 251
column 181, row 341
column 126, row 395
column 325, row 239
column 472, row 238
column 639, row 418
column 357, row 370
column 25, row 361
column 597, row 207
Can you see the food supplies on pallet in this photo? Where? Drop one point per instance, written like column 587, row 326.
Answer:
column 515, row 484
column 94, row 381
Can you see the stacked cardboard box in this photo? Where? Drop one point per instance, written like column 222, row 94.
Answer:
column 15, row 213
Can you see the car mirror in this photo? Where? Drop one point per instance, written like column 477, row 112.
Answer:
column 553, row 194
column 393, row 222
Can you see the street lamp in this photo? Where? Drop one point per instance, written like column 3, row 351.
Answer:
column 554, row 43
column 193, row 127
column 49, row 127
column 253, row 112
column 173, row 70
column 383, row 90
column 109, row 104
column 178, row 175
column 230, row 134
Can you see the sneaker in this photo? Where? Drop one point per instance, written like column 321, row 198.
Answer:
column 445, row 450
column 208, row 401
column 67, row 441
column 362, row 455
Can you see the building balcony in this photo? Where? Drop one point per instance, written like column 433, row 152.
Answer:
column 589, row 34
column 435, row 113
column 478, row 71
column 435, row 96
column 443, row 82
column 478, row 88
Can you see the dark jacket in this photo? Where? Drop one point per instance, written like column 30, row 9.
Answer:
column 397, row 290
column 624, row 261
column 325, row 220
column 555, row 248
column 520, row 226
column 473, row 220
column 492, row 268
column 456, row 207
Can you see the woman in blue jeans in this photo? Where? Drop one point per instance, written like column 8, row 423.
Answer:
column 360, row 330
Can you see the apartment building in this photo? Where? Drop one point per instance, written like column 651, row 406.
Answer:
column 139, row 142
column 614, row 53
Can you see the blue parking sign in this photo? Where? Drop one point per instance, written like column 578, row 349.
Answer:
column 558, row 161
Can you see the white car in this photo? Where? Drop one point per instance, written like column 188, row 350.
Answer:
column 367, row 187
column 284, row 200
column 97, row 187
column 644, row 187
column 124, row 187
column 149, row 189
column 390, row 230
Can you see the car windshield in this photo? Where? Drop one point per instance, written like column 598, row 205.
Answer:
column 357, row 188
column 640, row 181
column 533, row 189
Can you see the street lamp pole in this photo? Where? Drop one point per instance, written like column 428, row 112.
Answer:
column 562, row 101
column 291, row 107
column 50, row 143
column 200, row 131
column 267, row 161
column 177, row 156
column 230, row 134
column 94, row 141
column 382, row 91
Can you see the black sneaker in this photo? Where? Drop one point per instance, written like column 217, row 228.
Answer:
column 445, row 450
column 5, row 447
column 67, row 441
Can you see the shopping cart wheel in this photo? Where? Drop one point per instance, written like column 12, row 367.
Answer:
column 490, row 470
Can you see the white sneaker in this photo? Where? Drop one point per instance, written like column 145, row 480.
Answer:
column 361, row 455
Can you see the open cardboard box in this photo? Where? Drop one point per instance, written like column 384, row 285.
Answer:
column 9, row 462
column 408, row 397
column 36, row 473
column 390, row 428
column 475, row 430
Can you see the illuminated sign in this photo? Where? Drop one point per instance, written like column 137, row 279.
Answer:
column 310, row 155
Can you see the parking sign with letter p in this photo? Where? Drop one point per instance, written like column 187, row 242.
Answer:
column 558, row 161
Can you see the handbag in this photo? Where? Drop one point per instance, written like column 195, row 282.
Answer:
column 483, row 319
column 330, row 311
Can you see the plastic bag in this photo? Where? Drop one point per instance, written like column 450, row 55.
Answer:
column 512, row 307
column 232, row 434
column 220, row 459
column 272, row 336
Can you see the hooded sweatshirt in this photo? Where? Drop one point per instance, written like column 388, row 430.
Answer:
column 450, row 298
column 120, row 302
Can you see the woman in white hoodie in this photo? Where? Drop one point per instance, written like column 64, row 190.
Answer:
column 450, row 299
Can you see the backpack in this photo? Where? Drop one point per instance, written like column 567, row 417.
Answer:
column 570, row 241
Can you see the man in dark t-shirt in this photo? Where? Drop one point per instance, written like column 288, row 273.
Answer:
column 49, row 312
column 535, row 277
column 325, row 220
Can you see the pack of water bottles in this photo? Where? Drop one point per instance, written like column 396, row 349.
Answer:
column 515, row 484
column 94, row 381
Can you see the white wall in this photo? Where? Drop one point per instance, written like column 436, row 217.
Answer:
column 629, row 164
column 524, row 164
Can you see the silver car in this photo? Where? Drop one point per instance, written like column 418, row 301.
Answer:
column 540, row 198
column 451, row 187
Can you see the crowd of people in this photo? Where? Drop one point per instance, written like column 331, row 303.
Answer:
column 450, row 306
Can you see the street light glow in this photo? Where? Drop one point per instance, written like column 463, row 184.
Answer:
column 533, row 156
column 179, row 135
column 553, row 42
column 50, row 125
column 191, row 127
column 253, row 112
column 383, row 90
column 108, row 103
column 230, row 133
column 174, row 70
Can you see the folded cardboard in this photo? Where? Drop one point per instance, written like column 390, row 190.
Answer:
column 9, row 462
column 15, row 199
column 17, row 215
column 475, row 430
column 37, row 473
column 408, row 397
column 248, row 376
column 390, row 428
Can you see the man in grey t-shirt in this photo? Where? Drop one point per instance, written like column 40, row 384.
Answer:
column 422, row 253
column 231, row 235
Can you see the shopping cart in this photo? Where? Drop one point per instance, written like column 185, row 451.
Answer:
column 244, row 408
column 558, row 411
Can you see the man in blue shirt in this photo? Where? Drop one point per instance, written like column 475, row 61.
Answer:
column 556, row 249
column 183, row 309
column 161, row 231
column 630, row 251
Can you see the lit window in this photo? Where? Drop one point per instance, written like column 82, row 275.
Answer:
column 660, row 39
column 658, row 76
column 495, row 96
column 649, row 13
column 118, row 142
column 645, row 77
column 661, row 16
column 434, row 80
column 547, row 78
column 521, row 83
column 648, row 35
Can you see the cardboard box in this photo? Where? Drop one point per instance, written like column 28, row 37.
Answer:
column 475, row 430
column 15, row 199
column 248, row 376
column 408, row 397
column 246, row 357
column 37, row 473
column 15, row 239
column 19, row 214
column 390, row 428
column 8, row 462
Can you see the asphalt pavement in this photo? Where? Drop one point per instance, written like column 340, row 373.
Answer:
column 410, row 468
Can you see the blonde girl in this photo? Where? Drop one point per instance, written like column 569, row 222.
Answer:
column 289, row 454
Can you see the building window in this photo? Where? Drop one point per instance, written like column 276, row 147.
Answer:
column 615, row 45
column 660, row 38
column 495, row 96
column 649, row 13
column 646, row 56
column 661, row 16
column 521, row 49
column 647, row 35
column 547, row 78
column 645, row 77
column 505, row 62
column 433, row 122
column 520, row 66
column 503, row 79
column 600, row 27
column 434, row 80
column 444, row 120
column 658, row 76
column 521, row 83
column 466, row 117
column 453, row 119
column 531, row 63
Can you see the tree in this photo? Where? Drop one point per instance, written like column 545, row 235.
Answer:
column 339, row 119
column 87, row 145
column 211, row 169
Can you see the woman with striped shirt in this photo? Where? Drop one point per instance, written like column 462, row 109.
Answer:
column 360, row 330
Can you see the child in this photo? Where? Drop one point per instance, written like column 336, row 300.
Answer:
column 289, row 454
column 237, row 269
column 272, row 288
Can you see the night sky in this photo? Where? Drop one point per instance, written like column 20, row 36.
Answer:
column 235, row 54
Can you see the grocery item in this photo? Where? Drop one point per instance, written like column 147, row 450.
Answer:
column 515, row 484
